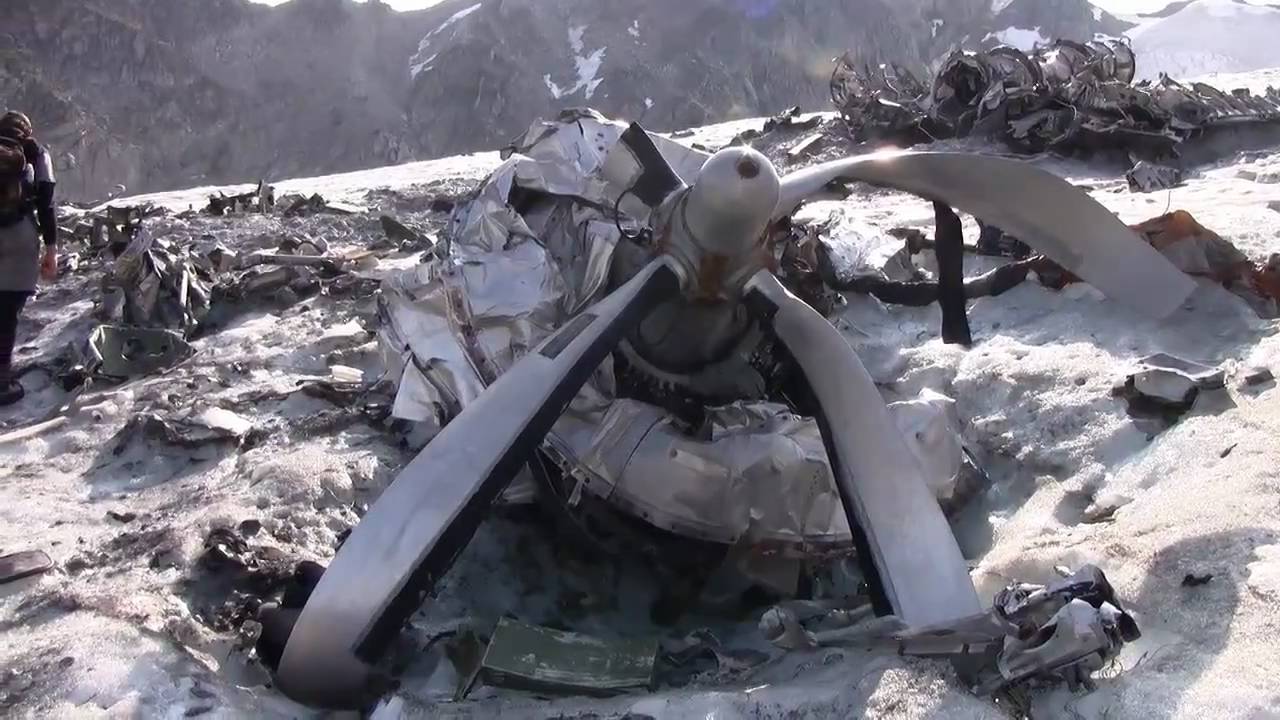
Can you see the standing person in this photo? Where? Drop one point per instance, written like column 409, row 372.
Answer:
column 17, row 127
column 26, row 197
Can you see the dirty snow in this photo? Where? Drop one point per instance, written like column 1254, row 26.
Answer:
column 118, row 629
column 1020, row 38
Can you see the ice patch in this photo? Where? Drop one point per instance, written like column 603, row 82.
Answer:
column 1020, row 38
column 648, row 103
column 634, row 30
column 416, row 63
column 998, row 5
column 936, row 25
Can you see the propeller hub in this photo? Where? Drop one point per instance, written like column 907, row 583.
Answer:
column 716, row 228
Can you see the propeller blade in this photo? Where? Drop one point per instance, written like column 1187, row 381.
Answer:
column 386, row 568
column 1035, row 206
column 923, row 575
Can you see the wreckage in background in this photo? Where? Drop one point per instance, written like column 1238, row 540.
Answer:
column 634, row 322
column 1065, row 97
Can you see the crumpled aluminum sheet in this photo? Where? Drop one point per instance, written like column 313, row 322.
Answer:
column 456, row 323
column 453, row 326
column 763, row 475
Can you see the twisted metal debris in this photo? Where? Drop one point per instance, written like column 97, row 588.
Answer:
column 1064, row 97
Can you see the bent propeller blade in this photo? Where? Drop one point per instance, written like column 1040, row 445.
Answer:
column 414, row 532
column 1036, row 206
column 922, row 573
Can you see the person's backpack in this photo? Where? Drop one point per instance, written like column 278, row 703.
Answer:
column 24, row 178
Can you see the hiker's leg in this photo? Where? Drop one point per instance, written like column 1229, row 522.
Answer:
column 11, row 304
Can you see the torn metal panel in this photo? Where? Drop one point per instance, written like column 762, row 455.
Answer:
column 930, row 424
column 1148, row 176
column 1063, row 631
column 541, row 659
column 125, row 352
column 155, row 285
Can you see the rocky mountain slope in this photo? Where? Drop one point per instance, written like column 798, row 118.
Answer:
column 163, row 93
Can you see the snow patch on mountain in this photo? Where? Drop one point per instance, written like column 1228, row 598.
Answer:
column 1021, row 38
column 586, row 64
column 417, row 64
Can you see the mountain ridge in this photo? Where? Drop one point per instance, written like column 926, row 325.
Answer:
column 155, row 94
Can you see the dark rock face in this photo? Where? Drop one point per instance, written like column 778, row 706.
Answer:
column 155, row 94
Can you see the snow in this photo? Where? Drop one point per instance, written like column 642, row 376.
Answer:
column 418, row 65
column 342, row 187
column 935, row 25
column 1208, row 36
column 456, row 17
column 586, row 65
column 1020, row 38
column 634, row 29
column 125, row 637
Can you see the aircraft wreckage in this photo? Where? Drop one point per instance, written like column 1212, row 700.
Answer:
column 1064, row 97
column 631, row 323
